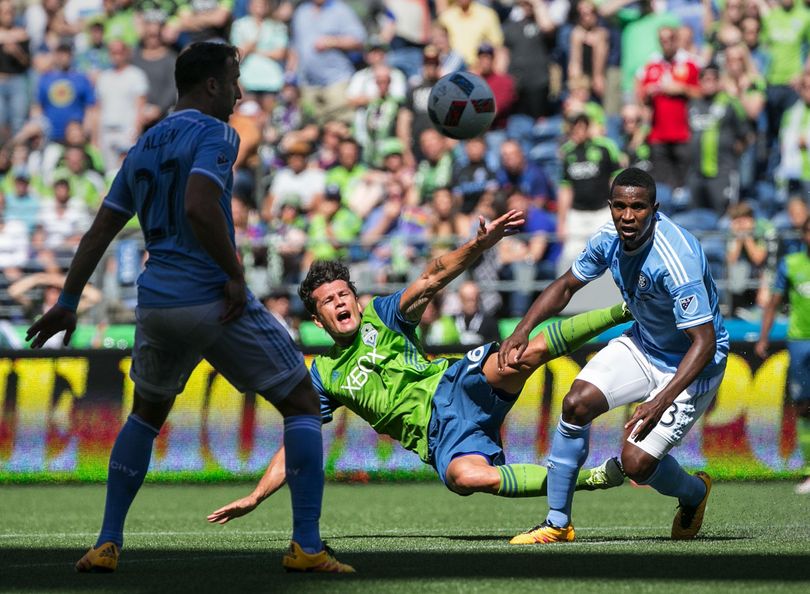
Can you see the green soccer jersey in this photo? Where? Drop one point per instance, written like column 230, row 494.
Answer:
column 383, row 376
column 793, row 279
column 784, row 32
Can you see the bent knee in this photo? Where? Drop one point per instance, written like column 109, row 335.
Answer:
column 637, row 466
column 467, row 481
column 578, row 408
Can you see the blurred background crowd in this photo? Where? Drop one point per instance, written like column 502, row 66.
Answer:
column 338, row 158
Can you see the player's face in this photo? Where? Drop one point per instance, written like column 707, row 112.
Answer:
column 632, row 215
column 229, row 92
column 337, row 310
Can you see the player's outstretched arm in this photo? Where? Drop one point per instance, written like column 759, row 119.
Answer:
column 549, row 303
column 105, row 227
column 272, row 480
column 445, row 268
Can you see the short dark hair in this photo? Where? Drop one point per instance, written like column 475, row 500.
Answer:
column 201, row 61
column 637, row 178
column 320, row 273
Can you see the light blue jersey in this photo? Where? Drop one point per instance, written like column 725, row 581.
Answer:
column 152, row 184
column 667, row 286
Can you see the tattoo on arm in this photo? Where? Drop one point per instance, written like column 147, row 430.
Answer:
column 437, row 265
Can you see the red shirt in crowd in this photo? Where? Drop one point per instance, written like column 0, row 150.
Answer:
column 670, row 119
column 503, row 88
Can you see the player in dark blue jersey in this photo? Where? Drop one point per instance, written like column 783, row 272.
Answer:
column 193, row 303
column 673, row 357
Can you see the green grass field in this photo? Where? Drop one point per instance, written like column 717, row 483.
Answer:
column 410, row 538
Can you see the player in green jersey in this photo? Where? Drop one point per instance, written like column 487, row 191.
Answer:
column 793, row 280
column 449, row 413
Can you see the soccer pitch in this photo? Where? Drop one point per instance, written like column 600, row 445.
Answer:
column 411, row 537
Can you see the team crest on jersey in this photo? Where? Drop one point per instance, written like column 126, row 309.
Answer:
column 369, row 335
column 688, row 304
column 643, row 282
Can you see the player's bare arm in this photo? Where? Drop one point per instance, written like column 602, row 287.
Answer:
column 105, row 227
column 768, row 316
column 211, row 230
column 699, row 355
column 272, row 480
column 444, row 269
column 549, row 303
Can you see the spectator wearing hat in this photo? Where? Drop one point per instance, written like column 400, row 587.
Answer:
column 63, row 95
column 331, row 229
column 156, row 59
column 413, row 117
column 262, row 43
column 323, row 36
column 121, row 93
column 295, row 182
column 363, row 87
column 469, row 24
column 22, row 203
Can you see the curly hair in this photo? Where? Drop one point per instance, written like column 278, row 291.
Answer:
column 320, row 273
column 635, row 177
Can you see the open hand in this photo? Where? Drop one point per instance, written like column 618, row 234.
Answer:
column 645, row 418
column 508, row 224
column 234, row 509
column 54, row 321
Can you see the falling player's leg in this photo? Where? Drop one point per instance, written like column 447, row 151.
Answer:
column 555, row 340
column 473, row 473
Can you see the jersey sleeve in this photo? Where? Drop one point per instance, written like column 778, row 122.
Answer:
column 593, row 261
column 327, row 405
column 120, row 198
column 216, row 154
column 780, row 283
column 390, row 313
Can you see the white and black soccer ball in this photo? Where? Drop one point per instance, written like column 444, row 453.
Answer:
column 461, row 105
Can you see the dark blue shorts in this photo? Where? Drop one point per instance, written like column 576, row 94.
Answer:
column 799, row 370
column 467, row 413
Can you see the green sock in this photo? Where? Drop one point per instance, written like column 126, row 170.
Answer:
column 803, row 435
column 529, row 480
column 565, row 336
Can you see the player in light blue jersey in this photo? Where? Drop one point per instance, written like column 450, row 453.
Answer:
column 193, row 303
column 673, row 357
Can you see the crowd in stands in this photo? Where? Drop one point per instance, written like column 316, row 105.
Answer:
column 338, row 158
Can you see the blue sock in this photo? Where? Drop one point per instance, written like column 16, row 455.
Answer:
column 670, row 479
column 569, row 449
column 129, row 461
column 303, row 446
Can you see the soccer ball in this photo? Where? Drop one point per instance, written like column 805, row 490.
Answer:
column 461, row 105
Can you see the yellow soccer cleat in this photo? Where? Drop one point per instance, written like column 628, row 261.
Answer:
column 688, row 520
column 545, row 533
column 102, row 559
column 324, row 562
